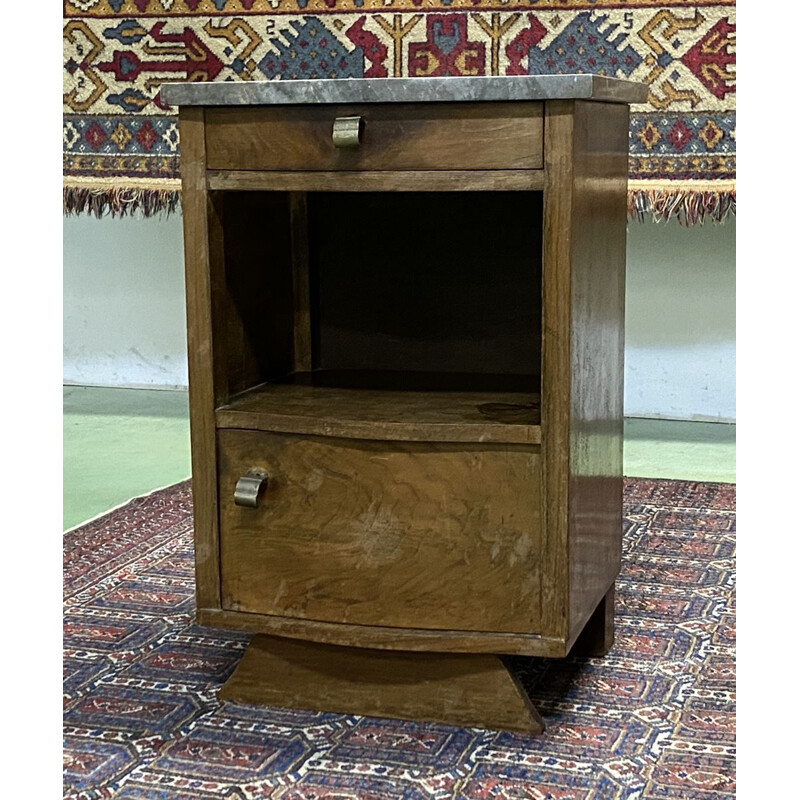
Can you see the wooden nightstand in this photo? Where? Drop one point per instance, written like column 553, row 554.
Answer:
column 405, row 312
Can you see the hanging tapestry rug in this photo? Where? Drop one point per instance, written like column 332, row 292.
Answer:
column 121, row 141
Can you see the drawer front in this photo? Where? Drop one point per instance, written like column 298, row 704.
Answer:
column 394, row 137
column 415, row 535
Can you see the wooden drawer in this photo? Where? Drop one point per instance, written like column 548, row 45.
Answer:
column 405, row 534
column 396, row 136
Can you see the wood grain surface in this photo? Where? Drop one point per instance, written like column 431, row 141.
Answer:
column 386, row 415
column 598, row 333
column 511, row 180
column 597, row 636
column 556, row 364
column 301, row 289
column 582, row 364
column 382, row 637
column 204, row 263
column 256, row 296
column 376, row 533
column 396, row 137
column 476, row 691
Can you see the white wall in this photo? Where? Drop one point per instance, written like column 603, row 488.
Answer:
column 124, row 318
column 124, row 315
column 680, row 322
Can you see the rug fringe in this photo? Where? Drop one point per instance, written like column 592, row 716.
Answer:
column 120, row 201
column 688, row 206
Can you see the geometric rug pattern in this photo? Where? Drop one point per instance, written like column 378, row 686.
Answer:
column 121, row 141
column 653, row 719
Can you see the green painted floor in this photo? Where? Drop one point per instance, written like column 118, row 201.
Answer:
column 695, row 451
column 120, row 443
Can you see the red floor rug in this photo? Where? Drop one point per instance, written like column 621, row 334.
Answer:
column 654, row 719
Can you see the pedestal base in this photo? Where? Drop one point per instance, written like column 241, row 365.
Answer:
column 476, row 691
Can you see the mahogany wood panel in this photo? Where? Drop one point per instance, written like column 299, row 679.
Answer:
column 556, row 364
column 385, row 415
column 600, row 148
column 583, row 291
column 476, row 691
column 597, row 636
column 511, row 180
column 257, row 299
column 302, row 345
column 396, row 137
column 204, row 261
column 376, row 533
column 407, row 518
column 385, row 638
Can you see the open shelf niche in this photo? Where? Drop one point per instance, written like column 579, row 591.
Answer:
column 409, row 317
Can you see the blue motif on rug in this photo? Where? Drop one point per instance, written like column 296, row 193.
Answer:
column 587, row 44
column 311, row 51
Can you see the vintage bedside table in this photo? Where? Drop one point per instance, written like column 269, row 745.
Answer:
column 405, row 313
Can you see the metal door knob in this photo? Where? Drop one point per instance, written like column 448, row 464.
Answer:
column 249, row 487
column 347, row 131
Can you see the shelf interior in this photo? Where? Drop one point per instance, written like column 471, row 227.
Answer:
column 418, row 283
column 380, row 315
column 394, row 406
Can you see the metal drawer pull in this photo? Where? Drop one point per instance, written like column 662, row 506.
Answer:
column 347, row 131
column 248, row 488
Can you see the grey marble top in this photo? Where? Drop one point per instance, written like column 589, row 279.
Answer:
column 405, row 90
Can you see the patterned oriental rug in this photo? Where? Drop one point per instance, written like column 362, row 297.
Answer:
column 121, row 141
column 653, row 719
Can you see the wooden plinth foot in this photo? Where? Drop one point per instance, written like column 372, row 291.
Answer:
column 597, row 637
column 474, row 691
